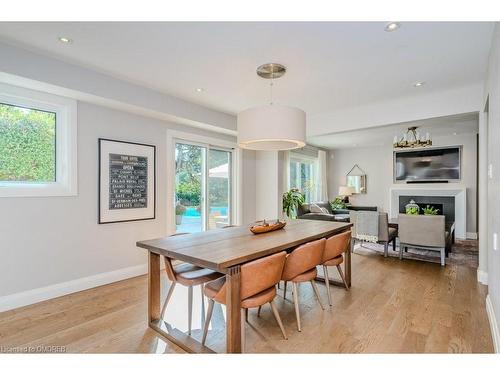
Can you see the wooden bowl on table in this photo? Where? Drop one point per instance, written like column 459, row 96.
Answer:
column 267, row 227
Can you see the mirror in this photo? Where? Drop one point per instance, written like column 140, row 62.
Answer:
column 356, row 178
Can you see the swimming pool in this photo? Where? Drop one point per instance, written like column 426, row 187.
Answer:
column 191, row 211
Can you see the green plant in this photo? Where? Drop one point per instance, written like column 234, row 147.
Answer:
column 27, row 144
column 338, row 204
column 412, row 210
column 180, row 209
column 430, row 210
column 291, row 201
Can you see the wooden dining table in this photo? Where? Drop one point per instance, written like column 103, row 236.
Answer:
column 225, row 250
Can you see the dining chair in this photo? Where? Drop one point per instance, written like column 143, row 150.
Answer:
column 189, row 276
column 426, row 232
column 300, row 266
column 257, row 287
column 373, row 227
column 335, row 246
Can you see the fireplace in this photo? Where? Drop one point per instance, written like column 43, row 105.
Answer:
column 453, row 201
column 445, row 205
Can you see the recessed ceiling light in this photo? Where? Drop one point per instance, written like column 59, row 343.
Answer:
column 418, row 84
column 64, row 39
column 392, row 26
column 455, row 133
column 199, row 89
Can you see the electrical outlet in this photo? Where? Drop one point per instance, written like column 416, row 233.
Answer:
column 490, row 171
column 495, row 241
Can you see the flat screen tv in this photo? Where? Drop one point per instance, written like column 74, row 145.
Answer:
column 427, row 165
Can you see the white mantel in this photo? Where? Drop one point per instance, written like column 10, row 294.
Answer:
column 457, row 193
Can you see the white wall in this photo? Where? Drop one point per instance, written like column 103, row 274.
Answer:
column 267, row 181
column 378, row 164
column 492, row 91
column 248, row 190
column 51, row 240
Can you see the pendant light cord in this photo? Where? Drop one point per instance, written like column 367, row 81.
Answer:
column 271, row 85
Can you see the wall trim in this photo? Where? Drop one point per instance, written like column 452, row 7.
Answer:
column 495, row 333
column 29, row 297
column 482, row 277
column 471, row 235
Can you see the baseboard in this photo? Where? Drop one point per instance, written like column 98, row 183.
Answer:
column 482, row 277
column 495, row 334
column 471, row 235
column 29, row 297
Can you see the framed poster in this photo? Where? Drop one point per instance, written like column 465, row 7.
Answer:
column 127, row 181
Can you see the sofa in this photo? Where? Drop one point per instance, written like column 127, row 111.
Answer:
column 304, row 212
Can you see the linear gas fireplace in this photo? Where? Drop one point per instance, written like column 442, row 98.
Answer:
column 445, row 205
column 450, row 202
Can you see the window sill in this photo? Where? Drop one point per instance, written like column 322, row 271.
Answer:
column 36, row 190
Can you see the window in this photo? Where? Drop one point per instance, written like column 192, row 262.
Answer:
column 303, row 172
column 37, row 143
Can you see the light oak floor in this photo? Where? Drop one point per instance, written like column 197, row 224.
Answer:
column 393, row 307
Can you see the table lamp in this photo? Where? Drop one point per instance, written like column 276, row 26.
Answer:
column 346, row 192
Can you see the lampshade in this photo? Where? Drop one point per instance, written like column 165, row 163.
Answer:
column 272, row 127
column 346, row 190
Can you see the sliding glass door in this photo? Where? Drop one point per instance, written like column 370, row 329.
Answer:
column 203, row 191
column 189, row 187
column 219, row 188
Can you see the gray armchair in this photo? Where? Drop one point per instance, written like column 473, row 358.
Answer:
column 423, row 232
column 385, row 234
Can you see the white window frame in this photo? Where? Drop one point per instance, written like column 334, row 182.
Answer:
column 66, row 143
column 173, row 137
column 301, row 158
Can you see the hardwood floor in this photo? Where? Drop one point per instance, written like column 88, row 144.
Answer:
column 393, row 307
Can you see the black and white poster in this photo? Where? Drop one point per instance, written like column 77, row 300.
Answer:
column 126, row 181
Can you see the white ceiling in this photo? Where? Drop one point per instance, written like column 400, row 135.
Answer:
column 448, row 126
column 330, row 65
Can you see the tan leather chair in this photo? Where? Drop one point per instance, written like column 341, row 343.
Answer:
column 258, row 287
column 423, row 232
column 187, row 275
column 335, row 246
column 300, row 267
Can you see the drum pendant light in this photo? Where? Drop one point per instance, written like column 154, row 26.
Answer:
column 271, row 127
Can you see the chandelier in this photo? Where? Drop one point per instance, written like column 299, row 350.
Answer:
column 412, row 138
column 271, row 126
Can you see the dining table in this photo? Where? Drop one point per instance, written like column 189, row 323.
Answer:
column 225, row 250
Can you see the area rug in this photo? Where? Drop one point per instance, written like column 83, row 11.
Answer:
column 464, row 252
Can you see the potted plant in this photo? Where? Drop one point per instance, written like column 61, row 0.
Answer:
column 412, row 208
column 291, row 201
column 338, row 204
column 430, row 210
column 179, row 211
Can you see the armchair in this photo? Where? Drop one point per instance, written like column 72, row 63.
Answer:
column 423, row 232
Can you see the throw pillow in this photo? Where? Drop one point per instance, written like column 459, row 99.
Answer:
column 315, row 209
column 325, row 210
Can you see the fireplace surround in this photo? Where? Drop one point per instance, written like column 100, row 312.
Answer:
column 453, row 201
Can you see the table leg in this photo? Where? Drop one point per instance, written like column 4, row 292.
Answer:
column 156, row 322
column 153, row 287
column 347, row 263
column 233, row 310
